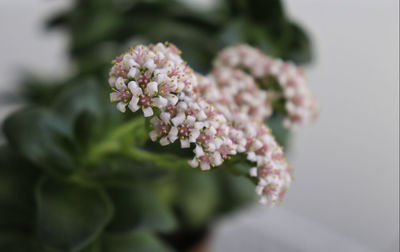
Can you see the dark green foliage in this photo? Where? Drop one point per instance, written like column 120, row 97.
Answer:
column 138, row 207
column 77, row 175
column 42, row 138
column 69, row 215
column 136, row 241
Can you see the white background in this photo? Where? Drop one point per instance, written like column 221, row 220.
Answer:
column 347, row 163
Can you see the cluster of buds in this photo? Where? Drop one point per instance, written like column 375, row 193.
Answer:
column 240, row 93
column 156, row 77
column 300, row 104
column 217, row 116
column 252, row 136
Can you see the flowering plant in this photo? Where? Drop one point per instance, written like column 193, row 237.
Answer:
column 76, row 174
column 222, row 114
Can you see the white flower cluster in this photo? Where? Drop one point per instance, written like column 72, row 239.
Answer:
column 241, row 92
column 253, row 137
column 218, row 116
column 300, row 104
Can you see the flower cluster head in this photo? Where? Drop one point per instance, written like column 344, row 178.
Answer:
column 217, row 116
column 300, row 104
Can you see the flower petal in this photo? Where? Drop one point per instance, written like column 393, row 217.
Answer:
column 194, row 163
column 205, row 166
column 133, row 104
column 147, row 111
column 165, row 116
column 173, row 134
column 185, row 143
column 164, row 141
column 198, row 151
column 115, row 96
column 121, row 106
column 253, row 172
column 194, row 134
column 178, row 120
column 173, row 99
column 132, row 73
column 120, row 84
column 135, row 89
column 153, row 135
column 160, row 102
column 112, row 80
column 152, row 88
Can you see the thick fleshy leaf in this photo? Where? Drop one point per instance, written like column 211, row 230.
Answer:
column 17, row 180
column 198, row 197
column 42, row 138
column 77, row 98
column 93, row 247
column 235, row 191
column 136, row 241
column 14, row 242
column 138, row 207
column 299, row 48
column 70, row 216
column 281, row 133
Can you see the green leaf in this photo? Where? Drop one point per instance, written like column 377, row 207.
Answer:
column 42, row 138
column 94, row 247
column 137, row 241
column 299, row 48
column 198, row 196
column 17, row 180
column 138, row 207
column 13, row 242
column 81, row 96
column 242, row 30
column 70, row 216
column 281, row 134
column 84, row 129
column 235, row 191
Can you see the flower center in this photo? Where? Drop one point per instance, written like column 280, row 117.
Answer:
column 171, row 110
column 265, row 171
column 183, row 131
column 164, row 129
column 143, row 81
column 262, row 150
column 145, row 101
column 203, row 138
column 224, row 150
column 125, row 96
column 270, row 189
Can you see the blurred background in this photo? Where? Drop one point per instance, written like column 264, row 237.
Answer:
column 346, row 193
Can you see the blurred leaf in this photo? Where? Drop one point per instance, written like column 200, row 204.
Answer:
column 94, row 247
column 13, row 242
column 81, row 97
column 299, row 48
column 269, row 13
column 242, row 30
column 281, row 134
column 70, row 216
column 17, row 180
column 138, row 207
column 118, row 169
column 137, row 241
column 235, row 191
column 42, row 138
column 100, row 25
column 198, row 196
column 40, row 91
column 84, row 129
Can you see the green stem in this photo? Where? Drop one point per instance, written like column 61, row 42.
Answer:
column 162, row 160
column 113, row 144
